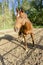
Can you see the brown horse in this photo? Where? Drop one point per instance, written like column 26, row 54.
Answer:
column 24, row 26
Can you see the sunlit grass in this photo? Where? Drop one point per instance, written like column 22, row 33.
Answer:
column 6, row 21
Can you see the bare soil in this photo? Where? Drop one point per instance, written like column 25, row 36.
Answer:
column 13, row 53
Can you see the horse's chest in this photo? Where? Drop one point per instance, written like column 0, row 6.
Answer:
column 26, row 28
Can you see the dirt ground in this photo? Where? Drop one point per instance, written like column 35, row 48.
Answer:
column 13, row 53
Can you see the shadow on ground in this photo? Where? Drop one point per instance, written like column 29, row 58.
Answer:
column 12, row 39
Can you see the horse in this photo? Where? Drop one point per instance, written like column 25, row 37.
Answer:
column 24, row 26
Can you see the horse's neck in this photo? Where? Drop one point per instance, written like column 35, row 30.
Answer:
column 17, row 17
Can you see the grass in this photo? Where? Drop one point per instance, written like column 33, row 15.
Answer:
column 37, row 26
column 7, row 23
column 12, row 26
column 6, row 26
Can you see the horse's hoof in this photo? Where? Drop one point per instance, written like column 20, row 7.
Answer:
column 26, row 50
column 23, row 39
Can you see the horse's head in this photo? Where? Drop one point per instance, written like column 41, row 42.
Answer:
column 18, row 25
column 20, row 13
column 17, row 11
column 20, row 21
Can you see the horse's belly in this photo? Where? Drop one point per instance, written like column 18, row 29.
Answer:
column 27, row 32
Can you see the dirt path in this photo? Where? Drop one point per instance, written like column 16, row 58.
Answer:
column 12, row 52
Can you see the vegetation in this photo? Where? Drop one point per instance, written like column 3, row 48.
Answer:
column 6, row 20
column 33, row 8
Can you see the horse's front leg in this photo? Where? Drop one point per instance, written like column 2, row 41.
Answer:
column 25, row 42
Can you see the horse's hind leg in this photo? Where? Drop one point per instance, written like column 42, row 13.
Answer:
column 32, row 36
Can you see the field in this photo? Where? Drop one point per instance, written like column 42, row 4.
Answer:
column 13, row 53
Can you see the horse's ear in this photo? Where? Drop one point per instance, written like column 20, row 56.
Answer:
column 17, row 10
column 21, row 10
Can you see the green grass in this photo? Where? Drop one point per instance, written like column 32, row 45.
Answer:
column 7, row 23
column 38, row 26
column 7, row 27
column 12, row 26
